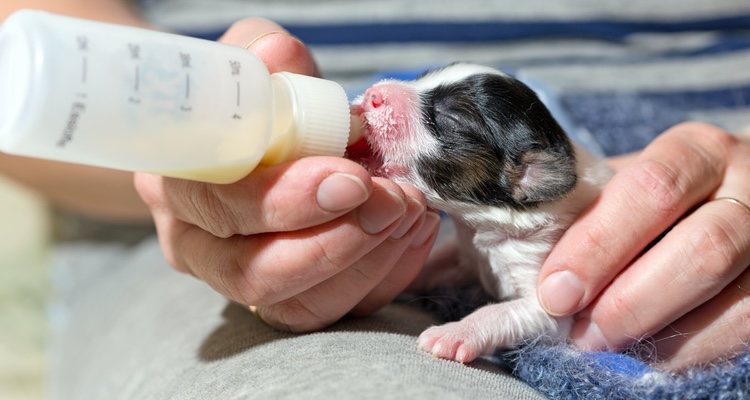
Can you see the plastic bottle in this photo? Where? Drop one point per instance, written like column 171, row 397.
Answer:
column 139, row 100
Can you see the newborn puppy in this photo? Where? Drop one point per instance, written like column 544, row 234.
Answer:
column 484, row 149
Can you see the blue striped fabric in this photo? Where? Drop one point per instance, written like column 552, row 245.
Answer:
column 609, row 120
column 490, row 31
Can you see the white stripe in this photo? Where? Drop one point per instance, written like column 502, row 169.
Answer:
column 696, row 73
column 375, row 58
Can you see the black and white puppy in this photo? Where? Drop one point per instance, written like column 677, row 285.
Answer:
column 483, row 148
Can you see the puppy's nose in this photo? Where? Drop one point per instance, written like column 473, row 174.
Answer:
column 375, row 98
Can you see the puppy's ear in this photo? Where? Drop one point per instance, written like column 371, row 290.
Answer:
column 543, row 175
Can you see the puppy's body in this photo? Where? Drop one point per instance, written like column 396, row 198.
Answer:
column 484, row 149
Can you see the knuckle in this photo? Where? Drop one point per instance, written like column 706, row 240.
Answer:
column 741, row 321
column 712, row 251
column 596, row 243
column 737, row 318
column 659, row 186
column 720, row 137
column 215, row 216
column 700, row 132
column 276, row 216
column 285, row 53
column 626, row 317
column 238, row 281
column 149, row 189
column 326, row 257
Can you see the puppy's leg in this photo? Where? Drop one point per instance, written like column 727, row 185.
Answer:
column 504, row 324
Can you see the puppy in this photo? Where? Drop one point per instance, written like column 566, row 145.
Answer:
column 484, row 149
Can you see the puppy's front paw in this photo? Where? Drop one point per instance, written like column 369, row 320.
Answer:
column 457, row 341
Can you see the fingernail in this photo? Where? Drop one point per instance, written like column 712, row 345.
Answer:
column 340, row 192
column 382, row 209
column 414, row 211
column 560, row 293
column 587, row 336
column 430, row 224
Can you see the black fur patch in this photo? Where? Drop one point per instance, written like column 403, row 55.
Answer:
column 494, row 130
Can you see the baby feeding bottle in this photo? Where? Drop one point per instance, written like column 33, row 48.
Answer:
column 139, row 100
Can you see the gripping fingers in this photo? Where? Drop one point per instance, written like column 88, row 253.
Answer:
column 268, row 268
column 329, row 300
column 689, row 269
column 718, row 329
column 694, row 262
column 291, row 196
column 359, row 287
column 678, row 170
column 406, row 268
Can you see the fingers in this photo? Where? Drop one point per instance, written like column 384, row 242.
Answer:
column 306, row 279
column 267, row 268
column 695, row 261
column 719, row 329
column 680, row 168
column 406, row 268
column 688, row 270
column 279, row 50
column 285, row 197
column 333, row 298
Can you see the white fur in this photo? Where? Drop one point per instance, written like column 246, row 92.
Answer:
column 453, row 73
column 500, row 247
column 412, row 135
column 506, row 249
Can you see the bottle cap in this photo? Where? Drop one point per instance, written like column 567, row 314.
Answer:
column 321, row 113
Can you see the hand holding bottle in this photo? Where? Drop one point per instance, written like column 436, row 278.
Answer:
column 304, row 242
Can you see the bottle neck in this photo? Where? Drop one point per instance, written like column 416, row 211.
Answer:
column 284, row 142
column 310, row 118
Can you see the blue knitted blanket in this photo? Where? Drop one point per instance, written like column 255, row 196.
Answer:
column 562, row 372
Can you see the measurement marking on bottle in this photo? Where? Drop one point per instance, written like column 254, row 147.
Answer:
column 71, row 125
column 185, row 59
column 135, row 51
column 83, row 43
column 187, row 87
column 84, row 69
column 238, row 94
column 137, row 83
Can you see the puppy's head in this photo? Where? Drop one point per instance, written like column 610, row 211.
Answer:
column 466, row 134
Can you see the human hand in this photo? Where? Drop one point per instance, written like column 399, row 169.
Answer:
column 304, row 242
column 657, row 255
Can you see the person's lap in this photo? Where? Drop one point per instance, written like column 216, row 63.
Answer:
column 133, row 328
